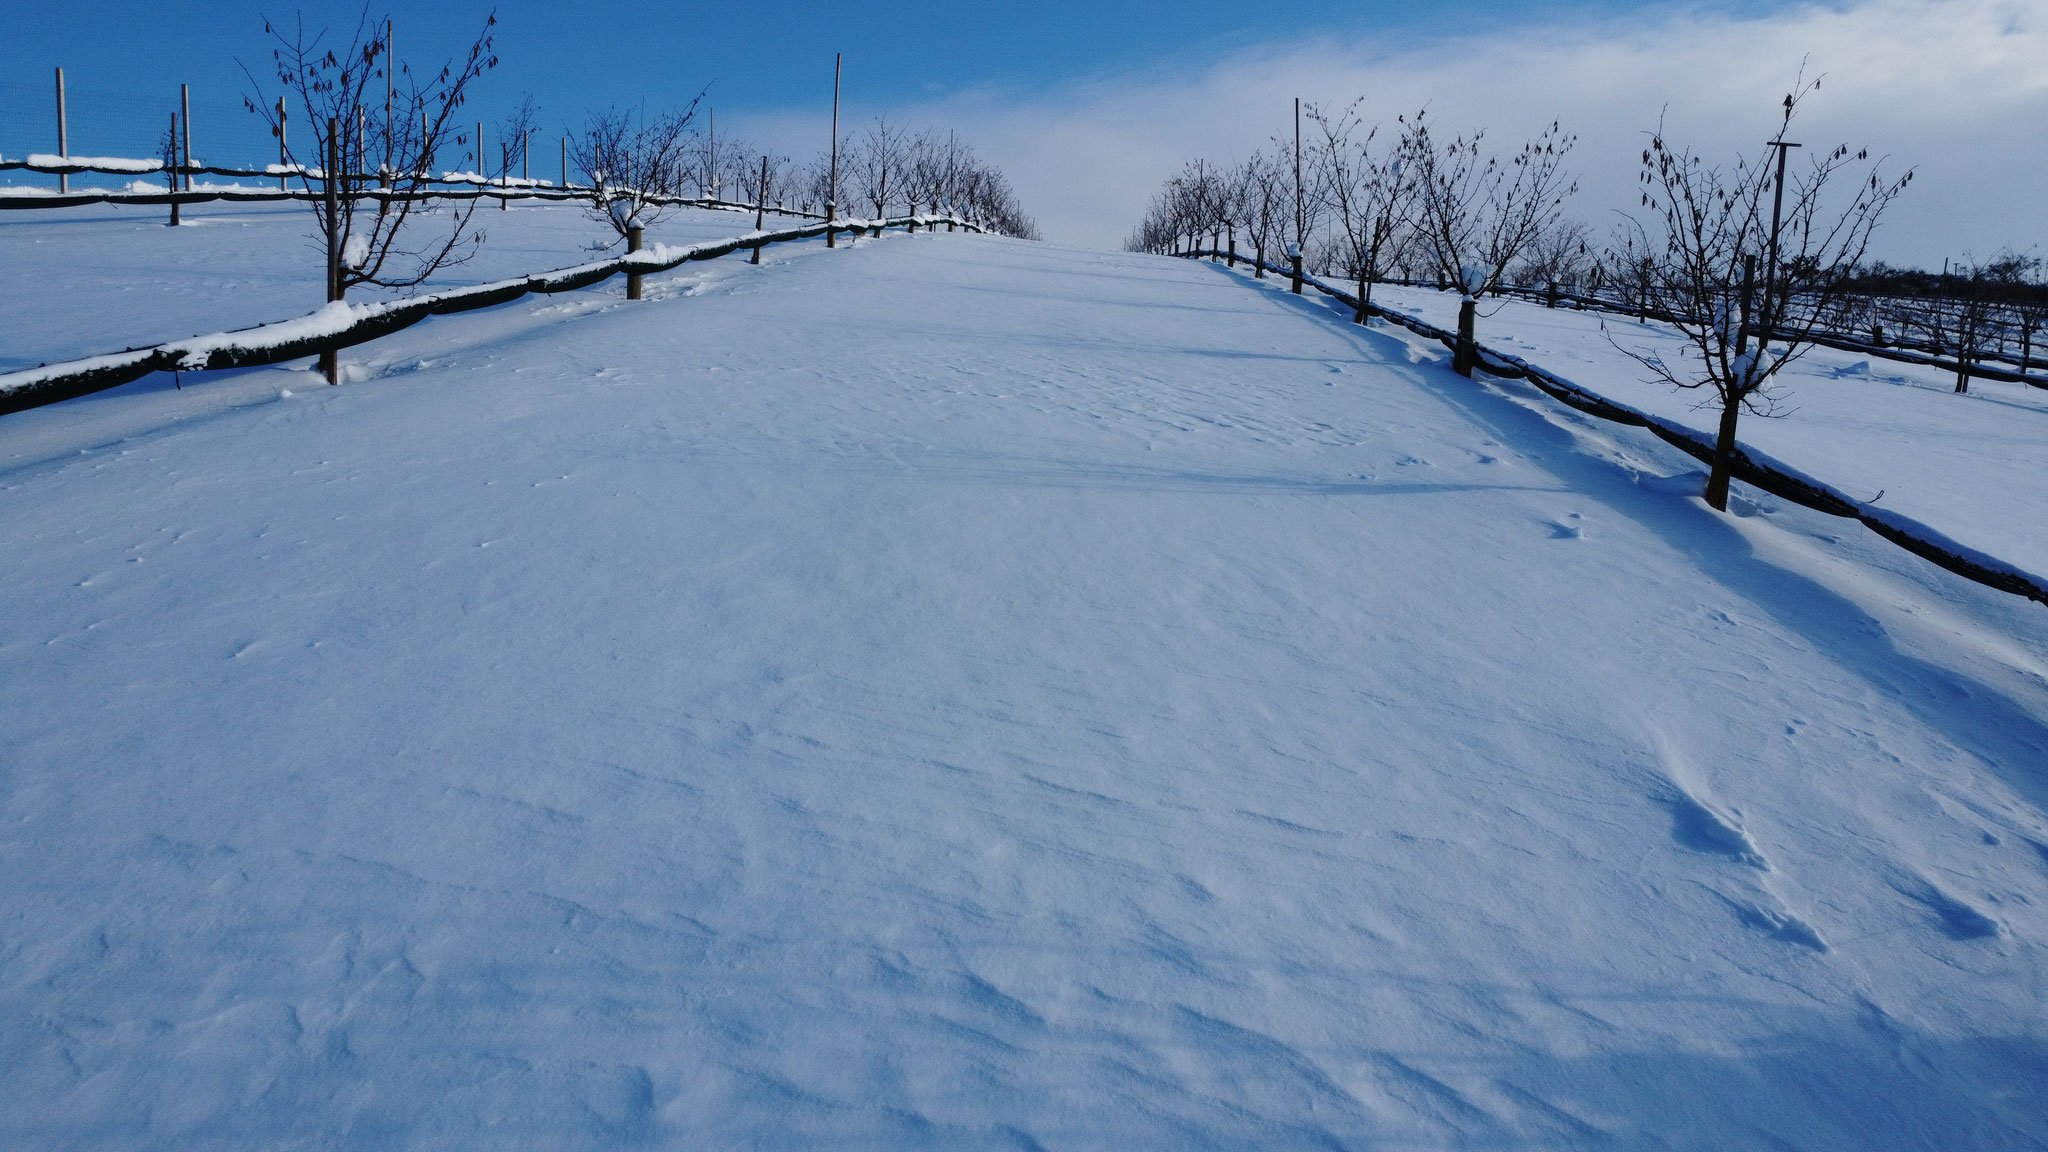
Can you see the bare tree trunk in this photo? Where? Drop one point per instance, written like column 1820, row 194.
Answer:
column 633, row 278
column 330, row 360
column 1296, row 261
column 1466, row 356
column 1724, row 454
column 1364, row 286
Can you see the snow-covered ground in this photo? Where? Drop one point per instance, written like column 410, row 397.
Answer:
column 1970, row 464
column 84, row 281
column 954, row 693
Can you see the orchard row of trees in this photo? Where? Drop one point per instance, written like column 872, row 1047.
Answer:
column 884, row 168
column 1747, row 260
column 372, row 130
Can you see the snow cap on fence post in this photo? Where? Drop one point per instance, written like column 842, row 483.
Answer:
column 1471, row 278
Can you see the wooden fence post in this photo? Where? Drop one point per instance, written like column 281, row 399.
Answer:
column 633, row 278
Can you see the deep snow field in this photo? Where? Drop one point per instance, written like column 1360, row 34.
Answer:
column 959, row 693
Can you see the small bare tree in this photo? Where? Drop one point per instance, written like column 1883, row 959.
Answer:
column 514, row 133
column 1740, row 258
column 1558, row 260
column 1269, row 214
column 1368, row 194
column 1478, row 213
column 637, row 168
column 332, row 84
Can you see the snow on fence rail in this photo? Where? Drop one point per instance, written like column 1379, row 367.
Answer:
column 343, row 325
column 1774, row 476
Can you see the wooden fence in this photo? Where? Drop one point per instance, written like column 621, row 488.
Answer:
column 1773, row 476
column 343, row 325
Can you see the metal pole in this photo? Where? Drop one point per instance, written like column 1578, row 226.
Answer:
column 63, row 137
column 185, row 120
column 390, row 66
column 832, row 189
column 565, row 162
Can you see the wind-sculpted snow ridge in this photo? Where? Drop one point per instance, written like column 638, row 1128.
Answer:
column 343, row 325
column 1774, row 476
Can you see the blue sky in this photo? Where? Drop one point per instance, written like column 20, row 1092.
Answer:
column 1089, row 105
column 757, row 57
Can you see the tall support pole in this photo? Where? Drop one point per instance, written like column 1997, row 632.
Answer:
column 565, row 162
column 185, row 130
column 1769, row 314
column 832, row 190
column 174, row 172
column 283, row 151
column 761, row 206
column 710, row 186
column 390, row 67
column 63, row 134
column 1300, row 210
column 330, row 361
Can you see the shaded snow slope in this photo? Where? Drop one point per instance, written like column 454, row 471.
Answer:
column 1969, row 465
column 959, row 693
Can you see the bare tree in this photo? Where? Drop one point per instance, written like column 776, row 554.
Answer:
column 331, row 83
column 1740, row 258
column 514, row 133
column 1368, row 193
column 637, row 166
column 881, row 165
column 1268, row 211
column 1558, row 260
column 1478, row 213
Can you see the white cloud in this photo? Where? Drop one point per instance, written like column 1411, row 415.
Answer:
column 1956, row 88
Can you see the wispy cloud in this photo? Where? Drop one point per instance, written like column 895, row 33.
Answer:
column 1956, row 88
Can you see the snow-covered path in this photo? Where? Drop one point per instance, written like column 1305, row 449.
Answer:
column 962, row 693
